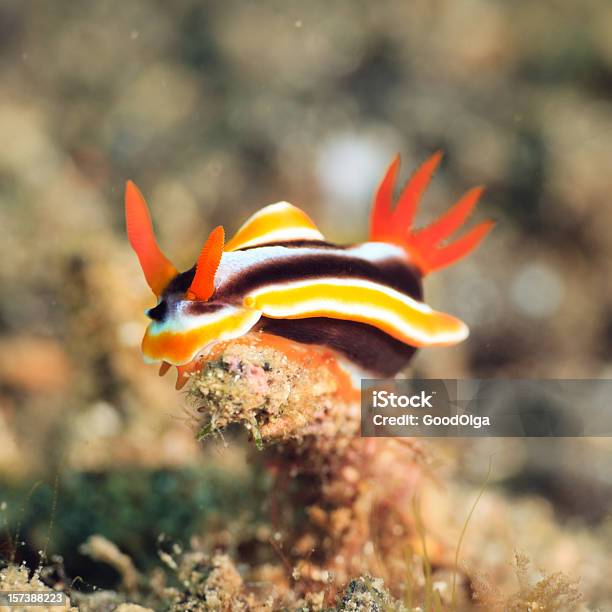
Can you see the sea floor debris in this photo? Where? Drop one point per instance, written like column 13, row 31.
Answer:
column 341, row 529
column 337, row 500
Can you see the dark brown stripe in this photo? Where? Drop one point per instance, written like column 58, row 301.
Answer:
column 392, row 273
column 364, row 345
column 170, row 302
column 199, row 308
column 180, row 283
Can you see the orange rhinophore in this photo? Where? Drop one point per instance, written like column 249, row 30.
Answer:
column 157, row 268
column 203, row 283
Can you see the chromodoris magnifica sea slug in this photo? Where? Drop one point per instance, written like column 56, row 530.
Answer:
column 279, row 277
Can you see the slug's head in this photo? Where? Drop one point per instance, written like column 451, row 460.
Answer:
column 184, row 321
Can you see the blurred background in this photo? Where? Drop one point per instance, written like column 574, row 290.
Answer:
column 216, row 109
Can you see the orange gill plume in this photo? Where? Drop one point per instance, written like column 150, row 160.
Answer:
column 425, row 246
column 157, row 268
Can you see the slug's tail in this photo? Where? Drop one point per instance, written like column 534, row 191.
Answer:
column 425, row 246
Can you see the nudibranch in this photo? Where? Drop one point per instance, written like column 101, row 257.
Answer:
column 279, row 277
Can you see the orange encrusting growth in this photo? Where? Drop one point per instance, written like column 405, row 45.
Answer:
column 158, row 270
column 308, row 356
column 203, row 284
column 424, row 245
column 311, row 357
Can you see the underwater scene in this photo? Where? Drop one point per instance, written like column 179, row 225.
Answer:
column 306, row 306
